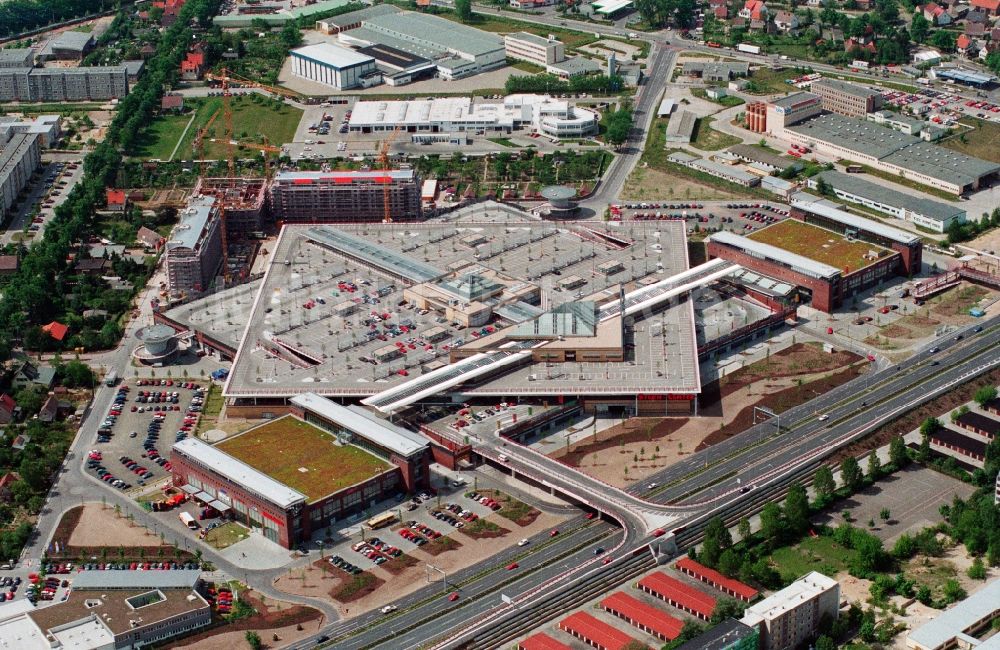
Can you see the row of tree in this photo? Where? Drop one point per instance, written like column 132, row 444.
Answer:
column 550, row 83
column 18, row 16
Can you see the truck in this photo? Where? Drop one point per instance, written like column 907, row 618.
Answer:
column 111, row 378
column 749, row 49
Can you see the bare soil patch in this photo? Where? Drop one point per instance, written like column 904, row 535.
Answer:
column 483, row 529
column 355, row 587
column 649, row 183
column 397, row 565
column 96, row 530
column 441, row 545
column 633, row 430
column 272, row 617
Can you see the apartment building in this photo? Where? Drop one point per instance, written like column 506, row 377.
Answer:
column 542, row 51
column 22, row 57
column 325, row 197
column 791, row 616
column 846, row 98
column 194, row 250
column 20, row 156
column 63, row 84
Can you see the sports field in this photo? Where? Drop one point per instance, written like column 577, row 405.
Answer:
column 303, row 457
column 818, row 244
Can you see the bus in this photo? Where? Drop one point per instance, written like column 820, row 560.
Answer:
column 382, row 520
column 112, row 378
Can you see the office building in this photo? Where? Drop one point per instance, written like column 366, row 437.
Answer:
column 731, row 173
column 325, row 197
column 791, row 109
column 111, row 610
column 20, row 156
column 846, row 98
column 926, row 213
column 95, row 83
column 335, row 66
column 534, row 49
column 313, row 483
column 457, row 50
column 555, row 117
column 966, row 625
column 791, row 617
column 194, row 250
column 21, row 57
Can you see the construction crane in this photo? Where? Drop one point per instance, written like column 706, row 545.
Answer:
column 199, row 140
column 383, row 157
column 227, row 76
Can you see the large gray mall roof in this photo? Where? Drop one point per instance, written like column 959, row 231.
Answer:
column 950, row 624
column 115, row 579
column 364, row 423
column 378, row 256
column 239, row 472
column 846, row 87
column 352, row 17
column 852, row 184
column 446, row 34
column 854, row 221
column 795, row 261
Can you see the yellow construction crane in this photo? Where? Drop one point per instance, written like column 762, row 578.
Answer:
column 227, row 76
column 383, row 157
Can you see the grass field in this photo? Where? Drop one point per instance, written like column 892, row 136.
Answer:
column 303, row 457
column 708, row 139
column 816, row 243
column 251, row 120
column 821, row 554
column 980, row 142
column 767, row 81
column 226, row 535
column 727, row 101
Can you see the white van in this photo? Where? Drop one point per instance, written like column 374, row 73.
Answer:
column 503, row 458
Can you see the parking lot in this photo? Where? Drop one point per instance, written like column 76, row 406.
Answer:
column 942, row 108
column 46, row 191
column 740, row 218
column 128, row 449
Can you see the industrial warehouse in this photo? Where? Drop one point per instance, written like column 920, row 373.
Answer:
column 334, row 461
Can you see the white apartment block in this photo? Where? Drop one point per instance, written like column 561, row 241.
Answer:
column 791, row 616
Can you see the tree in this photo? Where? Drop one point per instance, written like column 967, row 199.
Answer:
column 463, row 9
column 943, row 40
column 978, row 570
column 730, row 563
column 727, row 608
column 797, row 508
column 76, row 374
column 953, row 591
column 897, row 452
column 253, row 640
column 744, row 529
column 823, row 642
column 885, row 514
column 929, row 426
column 919, row 28
column 985, row 394
column 771, row 524
column 717, row 540
column 823, row 483
column 850, row 473
column 874, row 466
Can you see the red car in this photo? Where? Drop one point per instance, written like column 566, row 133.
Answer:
column 512, row 566
column 553, row 533
column 453, row 596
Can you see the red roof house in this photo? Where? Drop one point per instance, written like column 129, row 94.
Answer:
column 56, row 330
column 648, row 619
column 734, row 588
column 5, row 482
column 193, row 66
column 989, row 6
column 116, row 200
column 594, row 631
column 679, row 594
column 7, row 407
column 963, row 42
column 722, row 12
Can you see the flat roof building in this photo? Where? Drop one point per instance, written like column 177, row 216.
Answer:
column 194, row 250
column 790, row 617
column 846, row 98
column 20, row 156
column 680, row 128
column 573, row 66
column 962, row 624
column 772, row 161
column 730, row 173
column 540, row 50
column 334, row 66
column 69, row 45
column 327, row 197
column 19, row 57
column 730, row 634
column 926, row 213
column 63, row 84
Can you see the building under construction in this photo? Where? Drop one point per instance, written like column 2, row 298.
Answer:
column 347, row 196
column 242, row 199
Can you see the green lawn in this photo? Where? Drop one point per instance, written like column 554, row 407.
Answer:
column 213, row 402
column 226, row 535
column 251, row 120
column 980, row 142
column 766, row 81
column 158, row 141
column 52, row 109
column 708, row 139
column 821, row 554
column 728, row 101
column 526, row 66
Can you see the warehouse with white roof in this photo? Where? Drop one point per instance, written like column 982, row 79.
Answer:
column 335, row 66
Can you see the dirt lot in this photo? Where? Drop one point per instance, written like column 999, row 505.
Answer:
column 645, row 184
column 949, row 308
column 647, row 445
column 96, row 530
column 319, row 582
column 912, row 496
column 272, row 618
column 989, row 241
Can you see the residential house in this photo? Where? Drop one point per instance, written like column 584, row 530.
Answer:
column 966, row 46
column 27, row 373
column 6, row 481
column 50, row 409
column 786, row 21
column 149, row 238
column 8, row 407
column 862, row 44
column 978, row 16
column 9, row 264
column 722, row 13
column 92, row 266
column 173, row 103
column 975, row 29
column 738, row 23
column 116, row 200
column 20, row 442
column 56, row 330
column 864, row 5
column 146, row 51
column 995, row 34
column 193, row 66
column 760, row 26
column 754, row 10
column 992, row 7
column 936, row 14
